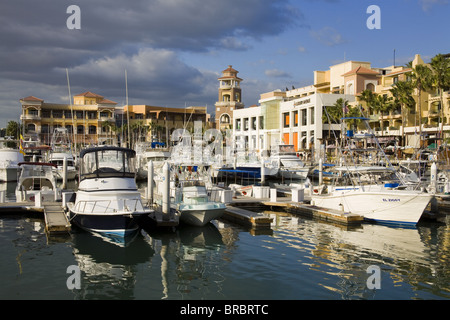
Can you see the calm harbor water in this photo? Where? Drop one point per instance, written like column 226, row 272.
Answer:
column 298, row 259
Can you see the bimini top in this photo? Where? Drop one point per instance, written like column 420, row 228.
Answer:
column 107, row 162
column 130, row 152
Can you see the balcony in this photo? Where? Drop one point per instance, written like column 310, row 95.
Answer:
column 30, row 117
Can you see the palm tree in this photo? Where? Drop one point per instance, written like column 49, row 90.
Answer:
column 422, row 81
column 441, row 80
column 402, row 94
column 369, row 98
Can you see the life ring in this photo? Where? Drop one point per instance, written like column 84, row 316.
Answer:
column 244, row 193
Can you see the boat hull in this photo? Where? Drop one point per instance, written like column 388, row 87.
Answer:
column 200, row 217
column 390, row 206
column 108, row 212
column 119, row 225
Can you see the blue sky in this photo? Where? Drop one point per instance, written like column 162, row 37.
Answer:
column 174, row 50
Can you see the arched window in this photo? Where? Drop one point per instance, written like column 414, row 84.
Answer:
column 225, row 118
column 371, row 87
column 31, row 127
column 350, row 89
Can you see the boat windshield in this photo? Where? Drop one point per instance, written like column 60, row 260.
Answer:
column 108, row 163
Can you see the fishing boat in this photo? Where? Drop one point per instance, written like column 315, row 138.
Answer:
column 378, row 193
column 391, row 206
column 107, row 200
column 58, row 159
column 61, row 151
column 150, row 152
column 284, row 158
column 36, row 179
column 194, row 205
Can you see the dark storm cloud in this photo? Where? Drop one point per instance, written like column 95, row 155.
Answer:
column 142, row 36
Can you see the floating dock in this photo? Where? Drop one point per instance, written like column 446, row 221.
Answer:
column 56, row 221
column 235, row 209
column 318, row 213
column 247, row 218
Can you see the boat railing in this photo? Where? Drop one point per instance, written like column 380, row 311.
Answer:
column 108, row 206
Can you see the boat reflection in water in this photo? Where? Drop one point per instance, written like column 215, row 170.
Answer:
column 162, row 264
column 108, row 200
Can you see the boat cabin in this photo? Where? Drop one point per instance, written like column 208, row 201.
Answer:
column 106, row 162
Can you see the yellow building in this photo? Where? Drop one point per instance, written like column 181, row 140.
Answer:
column 154, row 123
column 86, row 115
column 98, row 120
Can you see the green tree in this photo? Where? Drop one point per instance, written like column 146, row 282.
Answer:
column 13, row 130
column 402, row 95
column 441, row 80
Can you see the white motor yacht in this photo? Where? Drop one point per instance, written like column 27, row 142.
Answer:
column 107, row 201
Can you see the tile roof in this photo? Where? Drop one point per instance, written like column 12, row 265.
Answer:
column 106, row 101
column 360, row 70
column 31, row 98
column 89, row 95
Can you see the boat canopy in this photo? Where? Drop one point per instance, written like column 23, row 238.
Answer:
column 107, row 162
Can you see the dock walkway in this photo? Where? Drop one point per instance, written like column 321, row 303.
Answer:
column 235, row 211
column 55, row 218
column 56, row 221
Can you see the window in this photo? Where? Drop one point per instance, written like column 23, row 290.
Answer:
column 303, row 113
column 286, row 120
column 92, row 129
column 80, row 129
column 370, row 87
column 225, row 118
column 253, row 123
column 295, row 118
column 45, row 128
column 31, row 127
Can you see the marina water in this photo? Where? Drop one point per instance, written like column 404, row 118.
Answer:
column 298, row 259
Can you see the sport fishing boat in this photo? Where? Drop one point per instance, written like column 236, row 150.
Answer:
column 107, row 200
column 377, row 193
column 384, row 201
column 195, row 206
column 36, row 179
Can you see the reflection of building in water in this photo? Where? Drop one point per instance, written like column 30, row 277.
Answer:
column 108, row 271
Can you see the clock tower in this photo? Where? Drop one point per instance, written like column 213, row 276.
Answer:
column 230, row 98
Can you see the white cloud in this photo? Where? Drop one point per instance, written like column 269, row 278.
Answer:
column 427, row 4
column 328, row 36
column 276, row 73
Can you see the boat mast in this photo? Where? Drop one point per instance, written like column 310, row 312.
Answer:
column 71, row 111
column 128, row 111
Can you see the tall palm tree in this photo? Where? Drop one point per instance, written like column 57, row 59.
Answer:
column 334, row 113
column 441, row 80
column 422, row 81
column 382, row 104
column 368, row 97
column 402, row 94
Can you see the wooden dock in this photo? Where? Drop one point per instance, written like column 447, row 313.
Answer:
column 294, row 207
column 56, row 222
column 318, row 213
column 248, row 218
